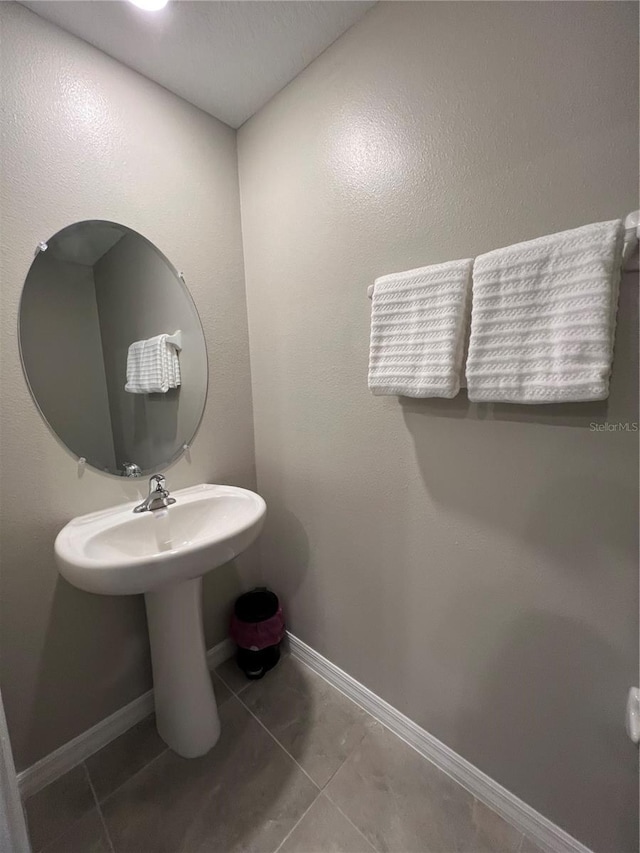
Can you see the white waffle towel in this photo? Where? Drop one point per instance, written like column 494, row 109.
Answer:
column 152, row 366
column 418, row 321
column 543, row 317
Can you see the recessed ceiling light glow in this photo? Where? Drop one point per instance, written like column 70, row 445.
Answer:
column 150, row 5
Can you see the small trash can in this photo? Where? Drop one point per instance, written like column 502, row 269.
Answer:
column 257, row 628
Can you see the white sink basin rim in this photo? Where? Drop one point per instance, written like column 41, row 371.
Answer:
column 119, row 552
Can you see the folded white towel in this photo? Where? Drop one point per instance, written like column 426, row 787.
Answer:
column 543, row 317
column 152, row 366
column 418, row 321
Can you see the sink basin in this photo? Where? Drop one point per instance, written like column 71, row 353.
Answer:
column 117, row 552
column 164, row 555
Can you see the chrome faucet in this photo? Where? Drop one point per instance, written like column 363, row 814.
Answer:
column 158, row 496
column 130, row 469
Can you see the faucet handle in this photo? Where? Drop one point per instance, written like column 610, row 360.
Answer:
column 156, row 483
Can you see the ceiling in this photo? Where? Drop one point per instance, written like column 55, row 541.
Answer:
column 228, row 58
column 85, row 242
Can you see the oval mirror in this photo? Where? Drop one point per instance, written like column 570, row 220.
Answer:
column 112, row 348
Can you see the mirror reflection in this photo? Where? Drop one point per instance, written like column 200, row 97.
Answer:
column 113, row 348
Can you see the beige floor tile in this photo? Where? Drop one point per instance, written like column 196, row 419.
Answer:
column 314, row 722
column 325, row 830
column 529, row 847
column 112, row 765
column 492, row 833
column 86, row 835
column 248, row 795
column 53, row 810
column 245, row 795
column 222, row 691
column 403, row 804
column 232, row 675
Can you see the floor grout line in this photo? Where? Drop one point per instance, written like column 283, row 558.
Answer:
column 321, row 789
column 100, row 815
column 284, row 749
column 274, row 738
column 62, row 832
column 344, row 814
column 133, row 775
column 298, row 822
column 357, row 829
column 344, row 761
column 228, row 686
column 217, row 675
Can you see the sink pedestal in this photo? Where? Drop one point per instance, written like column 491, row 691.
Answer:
column 186, row 710
column 164, row 554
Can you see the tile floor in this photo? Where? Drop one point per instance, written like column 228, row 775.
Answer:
column 298, row 769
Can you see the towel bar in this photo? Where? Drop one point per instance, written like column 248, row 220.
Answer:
column 631, row 238
column 175, row 339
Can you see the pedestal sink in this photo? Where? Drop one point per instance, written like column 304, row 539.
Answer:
column 164, row 555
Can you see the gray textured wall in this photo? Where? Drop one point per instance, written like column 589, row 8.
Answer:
column 83, row 137
column 476, row 566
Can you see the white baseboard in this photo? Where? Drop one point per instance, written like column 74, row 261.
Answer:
column 63, row 759
column 220, row 653
column 538, row 828
column 527, row 820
